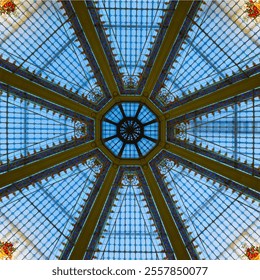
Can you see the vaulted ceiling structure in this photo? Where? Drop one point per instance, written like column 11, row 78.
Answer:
column 129, row 129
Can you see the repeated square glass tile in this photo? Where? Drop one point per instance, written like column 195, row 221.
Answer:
column 219, row 44
column 42, row 41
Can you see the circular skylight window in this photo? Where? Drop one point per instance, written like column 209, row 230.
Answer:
column 130, row 130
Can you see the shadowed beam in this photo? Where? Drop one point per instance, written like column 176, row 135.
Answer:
column 171, row 35
column 89, row 29
column 170, row 227
column 214, row 97
column 46, row 163
column 28, row 86
column 216, row 167
column 88, row 229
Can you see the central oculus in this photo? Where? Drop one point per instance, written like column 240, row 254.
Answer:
column 130, row 130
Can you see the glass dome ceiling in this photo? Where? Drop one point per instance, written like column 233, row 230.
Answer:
column 130, row 130
column 65, row 68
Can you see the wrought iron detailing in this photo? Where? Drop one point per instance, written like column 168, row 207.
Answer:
column 129, row 226
column 43, row 128
column 226, row 131
column 54, row 186
column 130, row 130
column 206, row 206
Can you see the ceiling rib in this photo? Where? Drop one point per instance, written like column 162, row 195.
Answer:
column 214, row 97
column 43, row 92
column 88, row 52
column 164, row 26
column 170, row 38
column 219, row 168
column 26, row 171
column 104, row 42
column 88, row 229
column 210, row 89
column 177, row 243
column 89, row 29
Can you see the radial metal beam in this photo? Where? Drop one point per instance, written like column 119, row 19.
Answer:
column 88, row 229
column 170, row 227
column 26, row 171
column 216, row 167
column 171, row 35
column 26, row 85
column 89, row 29
column 214, row 97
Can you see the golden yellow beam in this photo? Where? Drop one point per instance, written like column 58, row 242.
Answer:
column 129, row 98
column 34, row 168
column 170, row 227
column 214, row 97
column 170, row 37
column 42, row 92
column 216, row 167
column 87, row 231
column 93, row 39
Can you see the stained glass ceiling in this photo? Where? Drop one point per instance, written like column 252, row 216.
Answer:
column 129, row 130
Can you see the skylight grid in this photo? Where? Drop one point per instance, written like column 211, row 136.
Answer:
column 131, row 27
column 114, row 115
column 129, row 232
column 130, row 108
column 130, row 151
column 45, row 45
column 108, row 200
column 145, row 115
column 115, row 144
column 130, row 130
column 212, row 213
column 27, row 128
column 233, row 131
column 219, row 45
column 152, row 130
column 42, row 215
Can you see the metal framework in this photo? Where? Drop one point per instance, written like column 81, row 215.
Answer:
column 172, row 33
column 100, row 171
column 27, row 85
column 130, row 130
column 130, row 185
column 90, row 32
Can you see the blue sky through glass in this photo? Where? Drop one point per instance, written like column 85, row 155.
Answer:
column 112, row 122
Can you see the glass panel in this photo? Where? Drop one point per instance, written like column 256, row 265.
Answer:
column 218, row 219
column 40, row 218
column 27, row 128
column 41, row 41
column 220, row 44
column 135, row 127
column 232, row 131
column 138, row 20
column 129, row 232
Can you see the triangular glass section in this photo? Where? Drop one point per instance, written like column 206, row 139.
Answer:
column 129, row 227
column 132, row 27
column 41, row 40
column 27, row 128
column 219, row 220
column 230, row 131
column 219, row 45
column 39, row 219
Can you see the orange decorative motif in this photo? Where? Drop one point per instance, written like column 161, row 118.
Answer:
column 6, row 250
column 253, row 253
column 252, row 9
column 7, row 7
